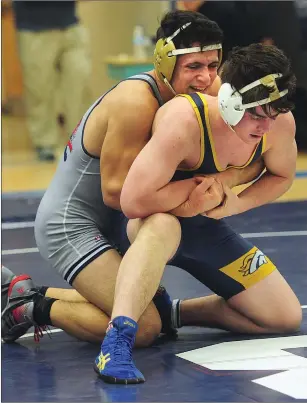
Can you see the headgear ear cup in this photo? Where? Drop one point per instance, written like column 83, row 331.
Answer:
column 164, row 59
column 164, row 64
column 230, row 104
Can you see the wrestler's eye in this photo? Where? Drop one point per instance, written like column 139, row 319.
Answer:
column 194, row 66
column 254, row 117
column 257, row 117
column 213, row 66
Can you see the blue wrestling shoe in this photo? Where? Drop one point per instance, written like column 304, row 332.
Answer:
column 163, row 303
column 114, row 363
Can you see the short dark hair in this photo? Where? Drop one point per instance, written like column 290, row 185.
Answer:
column 202, row 30
column 247, row 64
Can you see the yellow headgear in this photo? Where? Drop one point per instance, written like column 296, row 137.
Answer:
column 165, row 55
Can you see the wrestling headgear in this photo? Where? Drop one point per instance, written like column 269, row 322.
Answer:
column 230, row 100
column 165, row 55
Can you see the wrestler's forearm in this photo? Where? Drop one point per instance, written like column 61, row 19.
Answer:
column 163, row 200
column 265, row 190
column 233, row 177
column 185, row 209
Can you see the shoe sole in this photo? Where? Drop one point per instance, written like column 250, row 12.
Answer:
column 112, row 379
column 16, row 332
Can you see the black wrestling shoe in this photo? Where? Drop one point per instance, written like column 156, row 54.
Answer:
column 17, row 314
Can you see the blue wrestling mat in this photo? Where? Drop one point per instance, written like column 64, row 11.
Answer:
column 203, row 365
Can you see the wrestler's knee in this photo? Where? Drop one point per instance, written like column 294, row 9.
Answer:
column 289, row 322
column 286, row 318
column 270, row 304
column 148, row 331
column 285, row 313
column 161, row 224
column 164, row 226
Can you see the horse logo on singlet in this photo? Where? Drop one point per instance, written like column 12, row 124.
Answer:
column 253, row 262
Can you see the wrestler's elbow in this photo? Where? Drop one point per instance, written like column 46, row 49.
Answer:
column 111, row 190
column 133, row 205
column 112, row 200
column 132, row 213
column 132, row 209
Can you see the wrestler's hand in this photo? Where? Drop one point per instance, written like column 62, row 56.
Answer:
column 223, row 178
column 230, row 206
column 207, row 195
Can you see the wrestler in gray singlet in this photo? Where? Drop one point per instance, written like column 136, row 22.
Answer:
column 73, row 226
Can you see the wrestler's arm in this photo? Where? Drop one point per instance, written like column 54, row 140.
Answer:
column 129, row 127
column 234, row 177
column 147, row 188
column 280, row 163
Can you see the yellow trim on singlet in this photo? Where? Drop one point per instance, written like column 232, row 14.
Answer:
column 202, row 142
column 264, row 143
column 216, row 162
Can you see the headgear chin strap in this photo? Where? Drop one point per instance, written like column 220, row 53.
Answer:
column 165, row 55
column 230, row 102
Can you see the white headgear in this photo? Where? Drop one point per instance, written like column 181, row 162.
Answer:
column 230, row 100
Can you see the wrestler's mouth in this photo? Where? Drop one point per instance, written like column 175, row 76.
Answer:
column 256, row 136
column 199, row 89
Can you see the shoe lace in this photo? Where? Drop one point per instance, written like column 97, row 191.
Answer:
column 39, row 332
column 122, row 350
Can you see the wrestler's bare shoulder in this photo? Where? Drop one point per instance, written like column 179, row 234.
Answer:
column 129, row 100
column 178, row 108
column 131, row 93
column 282, row 129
